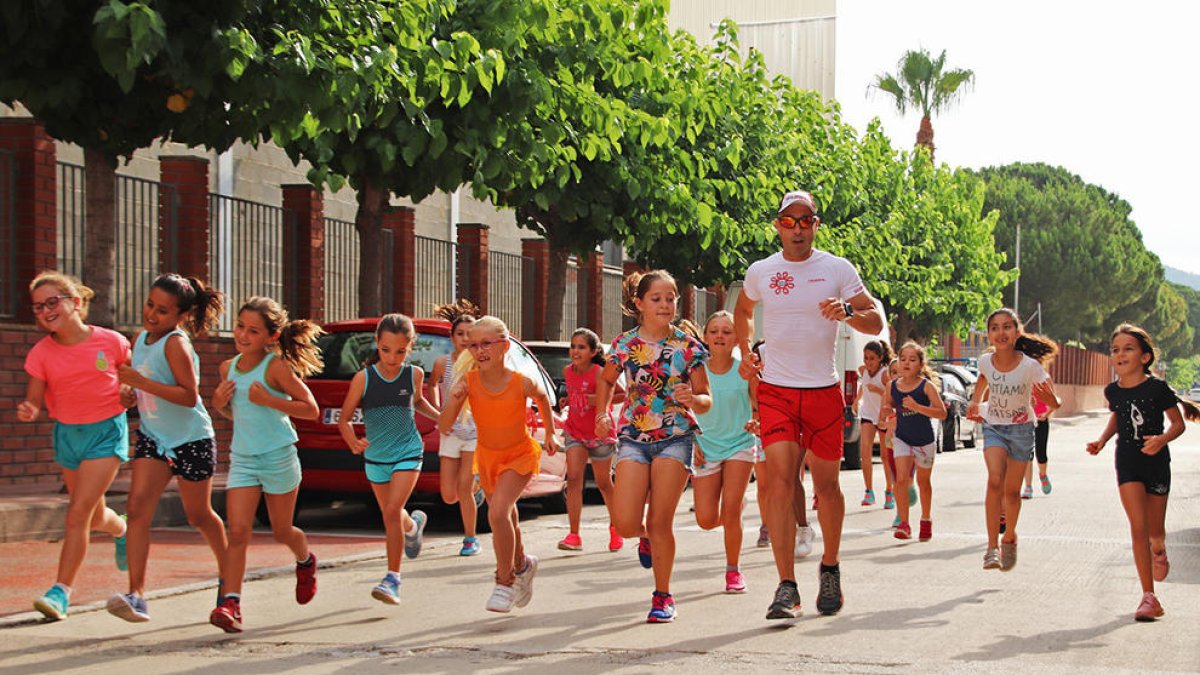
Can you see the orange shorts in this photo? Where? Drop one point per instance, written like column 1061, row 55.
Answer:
column 524, row 458
column 810, row 416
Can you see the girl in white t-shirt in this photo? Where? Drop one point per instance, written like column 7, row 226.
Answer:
column 1011, row 376
column 873, row 382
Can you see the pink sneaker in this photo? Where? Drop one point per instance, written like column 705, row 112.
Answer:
column 1159, row 565
column 735, row 582
column 615, row 542
column 571, row 542
column 903, row 531
column 1148, row 609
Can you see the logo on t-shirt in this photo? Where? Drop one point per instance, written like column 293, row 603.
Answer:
column 101, row 361
column 782, row 283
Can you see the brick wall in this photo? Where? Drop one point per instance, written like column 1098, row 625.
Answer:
column 26, row 450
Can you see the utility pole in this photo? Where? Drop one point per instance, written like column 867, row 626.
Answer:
column 1017, row 290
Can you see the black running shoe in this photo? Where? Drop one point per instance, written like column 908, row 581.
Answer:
column 787, row 602
column 829, row 597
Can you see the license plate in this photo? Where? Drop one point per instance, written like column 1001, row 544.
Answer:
column 332, row 415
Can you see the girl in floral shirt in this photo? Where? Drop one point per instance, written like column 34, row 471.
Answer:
column 666, row 382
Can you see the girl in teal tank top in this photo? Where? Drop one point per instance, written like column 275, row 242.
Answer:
column 390, row 391
column 726, row 449
column 175, row 433
column 260, row 390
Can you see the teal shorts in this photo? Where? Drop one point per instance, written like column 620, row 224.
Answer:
column 276, row 471
column 381, row 472
column 76, row 443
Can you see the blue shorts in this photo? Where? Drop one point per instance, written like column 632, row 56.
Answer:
column 678, row 448
column 76, row 443
column 276, row 471
column 1016, row 439
column 381, row 472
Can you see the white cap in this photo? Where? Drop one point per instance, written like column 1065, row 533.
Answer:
column 797, row 196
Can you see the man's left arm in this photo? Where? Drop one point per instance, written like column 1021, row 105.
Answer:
column 866, row 317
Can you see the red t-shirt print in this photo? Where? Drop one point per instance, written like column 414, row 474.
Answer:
column 782, row 283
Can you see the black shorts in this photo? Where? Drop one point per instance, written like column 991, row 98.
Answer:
column 193, row 462
column 1153, row 471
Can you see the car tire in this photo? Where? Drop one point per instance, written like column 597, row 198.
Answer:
column 949, row 434
column 556, row 503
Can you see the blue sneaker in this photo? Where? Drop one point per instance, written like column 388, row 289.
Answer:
column 130, row 606
column 119, row 550
column 896, row 522
column 662, row 608
column 912, row 495
column 412, row 542
column 470, row 547
column 53, row 604
column 387, row 591
column 644, row 553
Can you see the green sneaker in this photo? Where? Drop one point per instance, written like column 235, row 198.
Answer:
column 53, row 604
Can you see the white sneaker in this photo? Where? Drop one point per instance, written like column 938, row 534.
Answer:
column 804, row 541
column 523, row 586
column 502, row 599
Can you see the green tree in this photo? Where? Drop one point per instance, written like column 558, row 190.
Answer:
column 1082, row 257
column 1191, row 297
column 922, row 82
column 112, row 76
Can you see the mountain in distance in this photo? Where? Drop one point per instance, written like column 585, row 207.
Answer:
column 1183, row 278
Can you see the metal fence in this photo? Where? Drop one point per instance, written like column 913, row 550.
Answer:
column 614, row 319
column 435, row 260
column 246, row 252
column 8, row 237
column 341, row 270
column 706, row 304
column 139, row 207
column 570, row 315
column 507, row 274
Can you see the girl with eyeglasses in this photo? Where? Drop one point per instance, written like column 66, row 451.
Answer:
column 73, row 371
column 506, row 455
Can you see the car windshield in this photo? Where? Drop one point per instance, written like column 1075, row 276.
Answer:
column 519, row 359
column 345, row 353
column 553, row 360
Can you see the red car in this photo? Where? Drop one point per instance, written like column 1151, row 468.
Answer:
column 328, row 465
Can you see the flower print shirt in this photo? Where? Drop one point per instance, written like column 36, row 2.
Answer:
column 652, row 369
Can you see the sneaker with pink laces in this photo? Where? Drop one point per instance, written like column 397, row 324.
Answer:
column 615, row 541
column 1159, row 565
column 734, row 582
column 1148, row 609
column 571, row 542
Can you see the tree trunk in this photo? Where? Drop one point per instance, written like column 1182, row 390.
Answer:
column 100, row 235
column 925, row 135
column 905, row 328
column 372, row 199
column 556, row 291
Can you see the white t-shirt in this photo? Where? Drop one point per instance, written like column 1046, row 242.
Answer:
column 1010, row 393
column 869, row 406
column 802, row 341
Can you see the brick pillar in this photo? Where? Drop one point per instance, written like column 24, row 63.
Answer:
column 533, row 304
column 472, row 272
column 183, row 218
column 953, row 346
column 590, row 292
column 304, row 251
column 401, row 220
column 687, row 302
column 34, row 179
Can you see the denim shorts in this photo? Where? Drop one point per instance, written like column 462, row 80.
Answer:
column 1016, row 439
column 77, row 443
column 678, row 448
column 596, row 449
column 276, row 471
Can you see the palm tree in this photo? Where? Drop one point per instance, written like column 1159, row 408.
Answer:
column 920, row 82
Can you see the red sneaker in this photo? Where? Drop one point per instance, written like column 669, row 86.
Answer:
column 227, row 616
column 926, row 530
column 306, row 580
column 903, row 531
column 615, row 542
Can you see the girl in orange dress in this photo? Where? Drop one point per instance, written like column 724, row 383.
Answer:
column 506, row 455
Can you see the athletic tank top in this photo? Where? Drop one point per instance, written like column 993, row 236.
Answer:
column 257, row 429
column 388, row 415
column 724, row 425
column 868, row 407
column 911, row 426
column 463, row 428
column 500, row 416
column 581, row 414
column 169, row 425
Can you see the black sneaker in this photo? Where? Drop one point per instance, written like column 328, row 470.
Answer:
column 787, row 602
column 829, row 596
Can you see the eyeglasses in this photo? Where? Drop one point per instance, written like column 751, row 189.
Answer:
column 483, row 344
column 788, row 222
column 50, row 304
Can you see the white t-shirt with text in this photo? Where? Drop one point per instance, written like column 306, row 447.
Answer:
column 1010, row 392
column 802, row 341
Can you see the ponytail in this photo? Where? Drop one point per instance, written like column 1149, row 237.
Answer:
column 69, row 286
column 1037, row 347
column 1191, row 411
column 297, row 339
column 201, row 306
column 637, row 285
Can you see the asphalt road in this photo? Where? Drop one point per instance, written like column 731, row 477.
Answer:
column 910, row 606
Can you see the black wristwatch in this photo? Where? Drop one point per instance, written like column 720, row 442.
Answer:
column 849, row 308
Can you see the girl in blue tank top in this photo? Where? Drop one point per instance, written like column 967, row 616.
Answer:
column 260, row 390
column 175, row 434
column 726, row 449
column 390, row 391
column 909, row 405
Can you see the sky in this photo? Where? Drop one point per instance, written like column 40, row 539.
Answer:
column 1100, row 88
